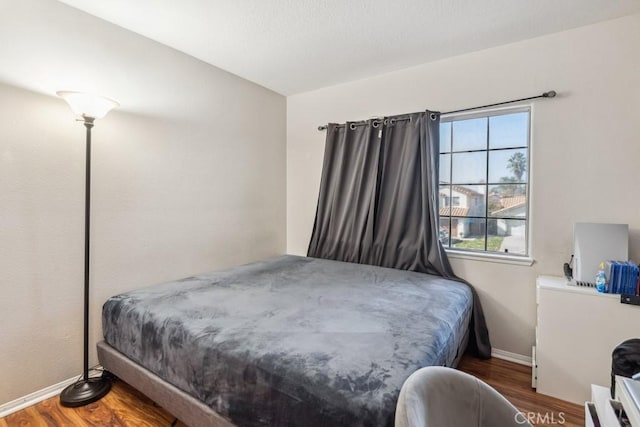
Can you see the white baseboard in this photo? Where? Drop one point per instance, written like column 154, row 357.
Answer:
column 40, row 395
column 511, row 357
column 33, row 398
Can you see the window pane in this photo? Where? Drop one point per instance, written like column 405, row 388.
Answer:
column 507, row 166
column 445, row 137
column 444, row 230
column 445, row 168
column 468, row 200
column 508, row 200
column 468, row 233
column 470, row 134
column 507, row 236
column 469, row 168
column 509, row 130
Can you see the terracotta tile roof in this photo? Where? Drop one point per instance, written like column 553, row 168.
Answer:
column 510, row 203
column 466, row 190
column 455, row 211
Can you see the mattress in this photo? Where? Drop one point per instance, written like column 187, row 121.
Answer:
column 293, row 341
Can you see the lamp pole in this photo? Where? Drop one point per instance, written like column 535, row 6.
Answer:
column 88, row 124
column 86, row 390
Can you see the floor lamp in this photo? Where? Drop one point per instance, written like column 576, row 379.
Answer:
column 88, row 107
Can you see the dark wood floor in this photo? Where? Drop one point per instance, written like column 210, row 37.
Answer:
column 124, row 406
column 514, row 382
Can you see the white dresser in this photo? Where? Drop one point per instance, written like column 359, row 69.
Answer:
column 602, row 410
column 577, row 330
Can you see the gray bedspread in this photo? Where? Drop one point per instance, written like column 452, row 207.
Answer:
column 293, row 341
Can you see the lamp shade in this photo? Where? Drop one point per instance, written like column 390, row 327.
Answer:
column 87, row 105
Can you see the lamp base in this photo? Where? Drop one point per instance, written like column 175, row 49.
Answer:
column 85, row 391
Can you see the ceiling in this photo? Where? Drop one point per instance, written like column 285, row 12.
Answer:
column 294, row 46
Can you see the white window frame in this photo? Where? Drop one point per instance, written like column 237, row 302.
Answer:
column 481, row 255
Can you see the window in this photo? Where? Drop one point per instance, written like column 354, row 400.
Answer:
column 484, row 182
column 447, row 201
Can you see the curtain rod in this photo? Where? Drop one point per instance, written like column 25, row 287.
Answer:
column 549, row 94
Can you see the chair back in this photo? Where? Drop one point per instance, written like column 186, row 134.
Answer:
column 436, row 396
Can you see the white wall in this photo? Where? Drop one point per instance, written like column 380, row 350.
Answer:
column 585, row 149
column 188, row 176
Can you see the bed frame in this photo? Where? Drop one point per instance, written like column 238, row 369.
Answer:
column 186, row 408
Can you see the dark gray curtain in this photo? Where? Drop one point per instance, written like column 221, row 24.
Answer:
column 343, row 226
column 378, row 201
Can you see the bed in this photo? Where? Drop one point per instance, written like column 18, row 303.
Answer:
column 291, row 341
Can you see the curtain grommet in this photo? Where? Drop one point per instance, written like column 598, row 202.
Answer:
column 352, row 126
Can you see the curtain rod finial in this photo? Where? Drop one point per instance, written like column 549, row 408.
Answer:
column 550, row 94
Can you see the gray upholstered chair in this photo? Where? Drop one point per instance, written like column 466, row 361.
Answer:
column 443, row 397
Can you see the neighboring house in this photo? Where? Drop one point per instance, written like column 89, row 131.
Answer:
column 511, row 207
column 463, row 202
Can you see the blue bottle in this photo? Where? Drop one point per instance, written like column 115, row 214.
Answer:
column 601, row 281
